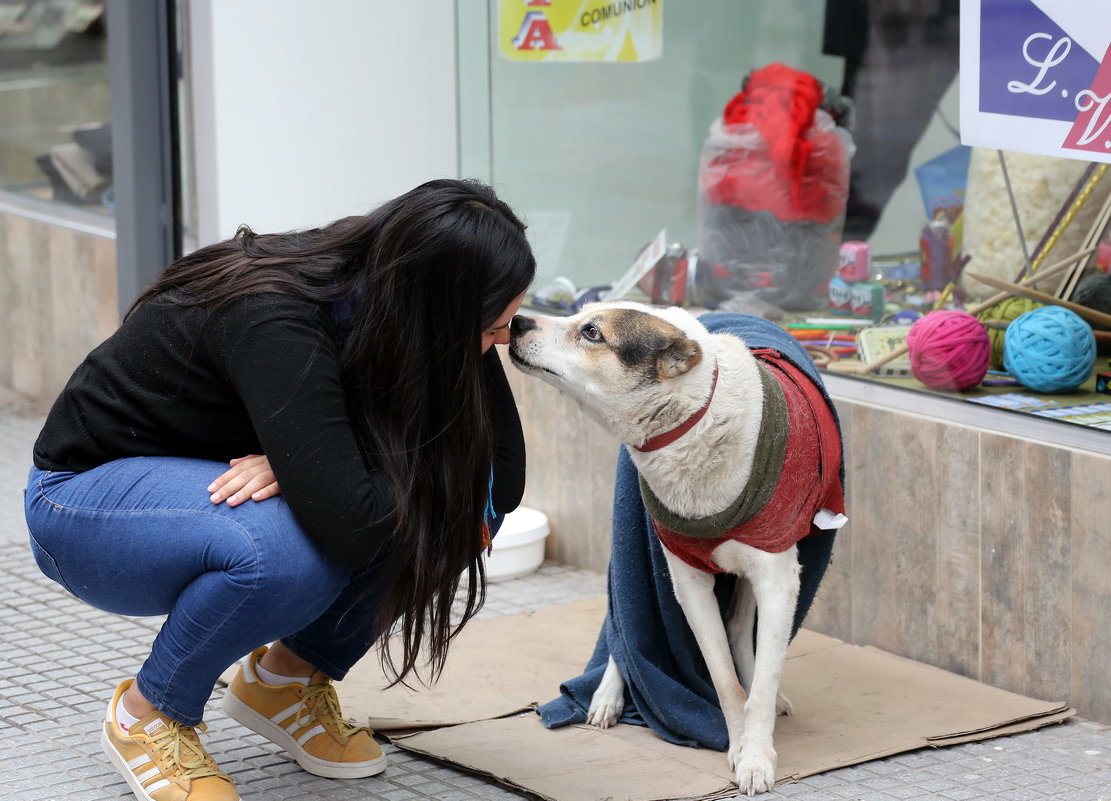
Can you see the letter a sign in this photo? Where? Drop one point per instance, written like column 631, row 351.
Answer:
column 580, row 30
column 1036, row 76
column 536, row 33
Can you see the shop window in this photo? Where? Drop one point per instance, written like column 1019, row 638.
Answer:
column 845, row 238
column 54, row 134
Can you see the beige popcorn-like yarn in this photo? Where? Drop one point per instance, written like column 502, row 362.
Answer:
column 1042, row 185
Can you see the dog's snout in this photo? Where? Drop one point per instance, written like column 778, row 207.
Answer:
column 521, row 324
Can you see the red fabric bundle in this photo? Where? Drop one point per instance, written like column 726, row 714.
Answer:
column 800, row 172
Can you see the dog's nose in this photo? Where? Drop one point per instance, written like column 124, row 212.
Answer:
column 521, row 324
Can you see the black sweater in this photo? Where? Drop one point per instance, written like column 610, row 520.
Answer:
column 258, row 375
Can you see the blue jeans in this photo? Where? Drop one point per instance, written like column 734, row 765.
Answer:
column 139, row 536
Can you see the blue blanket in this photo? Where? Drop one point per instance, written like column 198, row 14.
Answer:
column 667, row 685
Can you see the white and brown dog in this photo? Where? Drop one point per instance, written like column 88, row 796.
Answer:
column 739, row 457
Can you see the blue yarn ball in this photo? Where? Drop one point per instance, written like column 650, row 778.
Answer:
column 1050, row 349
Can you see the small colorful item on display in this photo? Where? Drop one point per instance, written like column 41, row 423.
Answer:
column 1050, row 350
column 949, row 350
column 840, row 296
column 851, row 292
column 898, row 269
column 936, row 244
column 1103, row 255
column 867, row 300
column 856, row 261
column 885, row 344
column 906, row 317
column 824, row 345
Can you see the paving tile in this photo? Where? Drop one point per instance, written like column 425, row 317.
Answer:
column 958, row 794
column 904, row 790
column 847, row 791
column 1099, row 780
column 400, row 794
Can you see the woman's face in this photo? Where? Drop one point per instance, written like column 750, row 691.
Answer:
column 498, row 333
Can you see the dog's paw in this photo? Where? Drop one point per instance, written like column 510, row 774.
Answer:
column 753, row 768
column 605, row 709
column 782, row 705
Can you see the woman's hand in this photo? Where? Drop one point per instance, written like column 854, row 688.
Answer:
column 250, row 477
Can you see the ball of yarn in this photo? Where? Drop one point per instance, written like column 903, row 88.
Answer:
column 1050, row 350
column 1005, row 310
column 1095, row 293
column 949, row 350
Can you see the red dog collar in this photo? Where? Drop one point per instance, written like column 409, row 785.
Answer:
column 668, row 437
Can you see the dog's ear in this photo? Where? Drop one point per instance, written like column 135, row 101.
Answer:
column 677, row 357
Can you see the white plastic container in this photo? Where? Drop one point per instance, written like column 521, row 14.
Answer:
column 518, row 545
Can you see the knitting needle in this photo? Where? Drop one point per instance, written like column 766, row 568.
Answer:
column 1026, row 264
column 1041, row 275
column 1091, row 315
column 1073, row 278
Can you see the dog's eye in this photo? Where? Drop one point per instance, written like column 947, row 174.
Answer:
column 591, row 332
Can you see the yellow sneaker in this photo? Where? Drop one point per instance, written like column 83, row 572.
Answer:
column 163, row 760
column 305, row 721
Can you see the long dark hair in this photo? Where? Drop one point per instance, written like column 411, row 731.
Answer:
column 416, row 282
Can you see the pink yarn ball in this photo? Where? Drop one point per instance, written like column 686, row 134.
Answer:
column 949, row 350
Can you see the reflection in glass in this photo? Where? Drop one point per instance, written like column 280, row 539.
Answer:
column 55, row 140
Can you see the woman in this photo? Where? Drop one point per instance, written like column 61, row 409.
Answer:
column 357, row 358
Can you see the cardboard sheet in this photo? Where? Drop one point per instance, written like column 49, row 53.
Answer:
column 851, row 705
column 495, row 668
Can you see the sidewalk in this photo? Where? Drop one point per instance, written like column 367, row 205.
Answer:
column 61, row 661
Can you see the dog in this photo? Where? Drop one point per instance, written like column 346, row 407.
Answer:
column 718, row 433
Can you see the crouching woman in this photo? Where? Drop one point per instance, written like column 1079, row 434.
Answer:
column 357, row 357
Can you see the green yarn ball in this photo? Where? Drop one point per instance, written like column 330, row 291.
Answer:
column 1005, row 310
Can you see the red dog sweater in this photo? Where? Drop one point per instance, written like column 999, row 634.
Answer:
column 808, row 477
